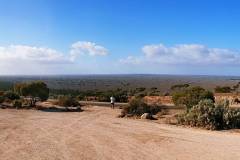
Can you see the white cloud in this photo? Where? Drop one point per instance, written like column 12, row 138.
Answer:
column 24, row 59
column 87, row 48
column 31, row 54
column 155, row 50
column 194, row 54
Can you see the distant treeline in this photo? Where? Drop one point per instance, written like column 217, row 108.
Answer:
column 120, row 95
column 5, row 86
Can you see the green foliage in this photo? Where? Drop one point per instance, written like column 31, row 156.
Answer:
column 67, row 101
column 212, row 116
column 235, row 87
column 17, row 104
column 154, row 88
column 140, row 95
column 153, row 94
column 11, row 95
column 179, row 86
column 140, row 89
column 34, row 89
column 191, row 96
column 71, row 92
column 224, row 89
column 2, row 99
column 80, row 97
column 119, row 94
column 137, row 107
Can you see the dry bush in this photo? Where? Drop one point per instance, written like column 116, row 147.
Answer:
column 212, row 116
column 137, row 107
column 67, row 101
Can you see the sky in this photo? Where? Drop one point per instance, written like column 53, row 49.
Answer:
column 44, row 37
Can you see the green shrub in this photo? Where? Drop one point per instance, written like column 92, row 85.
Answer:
column 80, row 97
column 11, row 95
column 17, row 104
column 140, row 89
column 212, row 116
column 2, row 99
column 180, row 86
column 67, row 101
column 137, row 107
column 191, row 96
column 224, row 89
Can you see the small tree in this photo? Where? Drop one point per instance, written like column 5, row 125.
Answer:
column 33, row 90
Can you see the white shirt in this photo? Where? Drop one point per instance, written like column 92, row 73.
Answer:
column 112, row 99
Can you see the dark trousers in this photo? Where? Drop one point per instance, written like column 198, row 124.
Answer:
column 112, row 105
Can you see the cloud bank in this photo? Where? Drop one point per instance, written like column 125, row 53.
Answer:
column 23, row 53
column 155, row 58
column 24, row 59
column 194, row 54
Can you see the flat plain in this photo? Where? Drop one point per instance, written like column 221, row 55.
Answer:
column 163, row 83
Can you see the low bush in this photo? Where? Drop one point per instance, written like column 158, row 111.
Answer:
column 67, row 101
column 224, row 89
column 1, row 99
column 137, row 107
column 211, row 116
column 179, row 86
column 11, row 95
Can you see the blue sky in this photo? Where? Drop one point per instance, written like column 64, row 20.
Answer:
column 119, row 36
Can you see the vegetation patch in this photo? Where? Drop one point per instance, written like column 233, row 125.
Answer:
column 34, row 91
column 211, row 116
column 191, row 96
column 67, row 101
column 137, row 107
column 224, row 89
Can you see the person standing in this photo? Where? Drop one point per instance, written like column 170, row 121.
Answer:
column 112, row 100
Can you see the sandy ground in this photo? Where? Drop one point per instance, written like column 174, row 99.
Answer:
column 96, row 133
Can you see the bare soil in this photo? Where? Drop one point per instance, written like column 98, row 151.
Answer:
column 96, row 133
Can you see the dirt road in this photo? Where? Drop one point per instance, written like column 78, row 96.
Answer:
column 96, row 133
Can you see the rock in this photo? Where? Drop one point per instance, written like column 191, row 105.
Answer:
column 146, row 116
column 154, row 117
